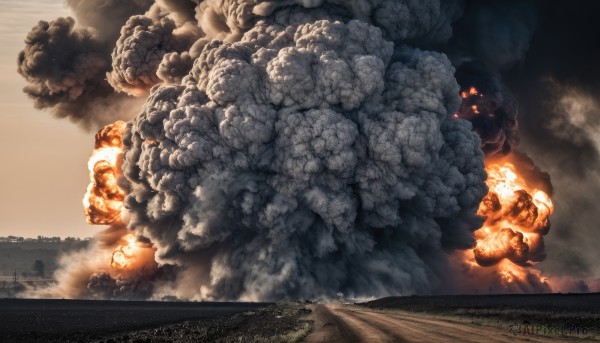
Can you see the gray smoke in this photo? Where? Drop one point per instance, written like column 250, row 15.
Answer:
column 167, row 30
column 139, row 51
column 65, row 64
column 310, row 157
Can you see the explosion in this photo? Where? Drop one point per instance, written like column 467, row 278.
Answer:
column 516, row 218
column 292, row 149
column 133, row 257
column 103, row 201
column 516, row 213
column 490, row 107
column 123, row 257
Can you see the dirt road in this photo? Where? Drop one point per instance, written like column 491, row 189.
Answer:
column 348, row 323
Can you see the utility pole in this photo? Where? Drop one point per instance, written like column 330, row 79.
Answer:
column 15, row 279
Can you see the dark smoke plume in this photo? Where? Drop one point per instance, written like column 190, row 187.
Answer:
column 145, row 40
column 490, row 37
column 492, row 111
column 65, row 64
column 308, row 158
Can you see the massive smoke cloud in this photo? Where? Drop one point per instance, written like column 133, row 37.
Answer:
column 304, row 160
column 293, row 149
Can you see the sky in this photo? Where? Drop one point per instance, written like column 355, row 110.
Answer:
column 44, row 171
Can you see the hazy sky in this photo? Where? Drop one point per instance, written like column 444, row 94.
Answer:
column 43, row 160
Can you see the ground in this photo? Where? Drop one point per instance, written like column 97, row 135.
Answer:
column 500, row 318
column 552, row 315
column 31, row 320
column 351, row 323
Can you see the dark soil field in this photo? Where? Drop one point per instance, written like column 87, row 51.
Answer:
column 30, row 320
column 588, row 303
column 285, row 322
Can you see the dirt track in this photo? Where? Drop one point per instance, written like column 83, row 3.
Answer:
column 347, row 323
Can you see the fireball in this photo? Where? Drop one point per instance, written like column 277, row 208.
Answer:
column 124, row 256
column 103, row 200
column 515, row 221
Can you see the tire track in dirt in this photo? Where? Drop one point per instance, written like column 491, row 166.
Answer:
column 347, row 323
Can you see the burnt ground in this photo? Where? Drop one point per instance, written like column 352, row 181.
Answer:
column 29, row 320
column 285, row 322
column 120, row 321
column 555, row 311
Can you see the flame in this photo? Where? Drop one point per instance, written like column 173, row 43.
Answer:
column 515, row 222
column 516, row 213
column 133, row 257
column 103, row 200
column 124, row 256
column 472, row 104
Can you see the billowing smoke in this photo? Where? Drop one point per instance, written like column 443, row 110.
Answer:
column 303, row 160
column 106, row 16
column 65, row 64
column 490, row 107
column 140, row 50
column 490, row 37
column 297, row 149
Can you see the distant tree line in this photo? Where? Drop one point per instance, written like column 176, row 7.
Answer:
column 41, row 239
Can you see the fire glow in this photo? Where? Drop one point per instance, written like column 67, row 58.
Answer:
column 103, row 200
column 124, row 256
column 516, row 218
column 472, row 104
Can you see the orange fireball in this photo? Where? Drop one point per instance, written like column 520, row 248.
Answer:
column 103, row 200
column 133, row 256
column 103, row 203
column 516, row 218
column 124, row 256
